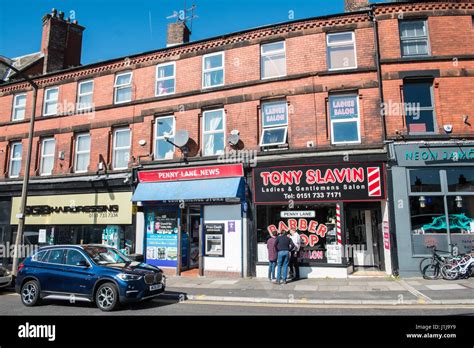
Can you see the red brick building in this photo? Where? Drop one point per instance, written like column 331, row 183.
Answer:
column 297, row 103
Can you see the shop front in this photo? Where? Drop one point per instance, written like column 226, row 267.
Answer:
column 338, row 210
column 103, row 218
column 433, row 193
column 193, row 219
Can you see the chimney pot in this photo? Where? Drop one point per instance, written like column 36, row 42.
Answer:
column 54, row 12
column 61, row 15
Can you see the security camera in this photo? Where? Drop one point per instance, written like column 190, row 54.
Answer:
column 448, row 128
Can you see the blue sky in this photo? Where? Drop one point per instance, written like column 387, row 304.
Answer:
column 124, row 27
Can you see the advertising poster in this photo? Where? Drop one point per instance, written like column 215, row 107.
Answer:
column 161, row 241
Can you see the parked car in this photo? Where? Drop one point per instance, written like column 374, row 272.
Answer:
column 5, row 277
column 93, row 273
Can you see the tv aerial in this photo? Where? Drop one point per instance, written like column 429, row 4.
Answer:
column 184, row 16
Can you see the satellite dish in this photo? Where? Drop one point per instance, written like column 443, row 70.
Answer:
column 234, row 139
column 181, row 138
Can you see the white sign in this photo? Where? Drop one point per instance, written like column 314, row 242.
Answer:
column 42, row 236
column 298, row 214
column 334, row 253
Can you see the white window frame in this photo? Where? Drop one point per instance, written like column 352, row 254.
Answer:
column 280, row 126
column 161, row 137
column 47, row 101
column 271, row 54
column 158, row 79
column 204, row 132
column 344, row 43
column 50, row 155
column 18, row 107
column 77, row 152
column 79, row 95
column 115, row 148
column 15, row 159
column 415, row 38
column 128, row 85
column 333, row 142
column 204, row 70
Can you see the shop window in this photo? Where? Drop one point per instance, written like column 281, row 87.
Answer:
column 51, row 101
column 165, row 79
column 345, row 120
column 273, row 60
column 15, row 160
column 428, row 223
column 164, row 130
column 419, row 106
column 425, row 180
column 414, row 38
column 274, row 123
column 461, row 222
column 83, row 150
column 213, row 132
column 121, row 150
column 48, row 147
column 213, row 70
column 460, row 179
column 19, row 107
column 317, row 230
column 85, row 91
column 123, row 88
column 341, row 51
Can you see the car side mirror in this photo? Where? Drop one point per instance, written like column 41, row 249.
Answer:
column 82, row 263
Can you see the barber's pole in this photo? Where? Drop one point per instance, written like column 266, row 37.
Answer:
column 338, row 224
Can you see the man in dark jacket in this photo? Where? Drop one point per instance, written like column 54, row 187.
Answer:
column 284, row 245
column 272, row 255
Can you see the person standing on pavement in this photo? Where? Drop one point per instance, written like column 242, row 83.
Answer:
column 294, row 267
column 272, row 255
column 284, row 245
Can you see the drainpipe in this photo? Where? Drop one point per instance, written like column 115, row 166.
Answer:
column 379, row 70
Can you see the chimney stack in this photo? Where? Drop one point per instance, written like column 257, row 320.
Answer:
column 355, row 5
column 178, row 33
column 61, row 42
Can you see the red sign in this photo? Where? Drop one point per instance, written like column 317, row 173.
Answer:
column 192, row 173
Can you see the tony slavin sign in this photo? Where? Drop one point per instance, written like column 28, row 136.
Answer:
column 319, row 183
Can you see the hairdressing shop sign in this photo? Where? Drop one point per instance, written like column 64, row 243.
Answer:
column 319, row 183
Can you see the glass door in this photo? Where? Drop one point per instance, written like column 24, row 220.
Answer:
column 194, row 228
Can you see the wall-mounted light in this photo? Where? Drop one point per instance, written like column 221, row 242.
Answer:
column 422, row 201
column 458, row 200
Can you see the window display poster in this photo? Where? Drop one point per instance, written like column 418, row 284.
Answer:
column 161, row 241
column 334, row 253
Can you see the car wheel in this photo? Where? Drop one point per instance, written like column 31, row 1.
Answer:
column 106, row 297
column 30, row 293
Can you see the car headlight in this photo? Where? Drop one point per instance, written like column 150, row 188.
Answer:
column 129, row 277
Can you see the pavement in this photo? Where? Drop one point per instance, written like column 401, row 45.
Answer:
column 351, row 291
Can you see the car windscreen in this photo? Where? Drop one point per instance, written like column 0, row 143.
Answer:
column 104, row 255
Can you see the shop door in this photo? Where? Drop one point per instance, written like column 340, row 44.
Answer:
column 364, row 227
column 192, row 225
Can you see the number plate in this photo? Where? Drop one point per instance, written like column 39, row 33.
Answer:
column 155, row 287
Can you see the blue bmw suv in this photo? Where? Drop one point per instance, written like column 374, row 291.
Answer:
column 93, row 273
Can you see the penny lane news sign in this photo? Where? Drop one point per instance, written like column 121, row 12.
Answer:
column 319, row 183
column 192, row 173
